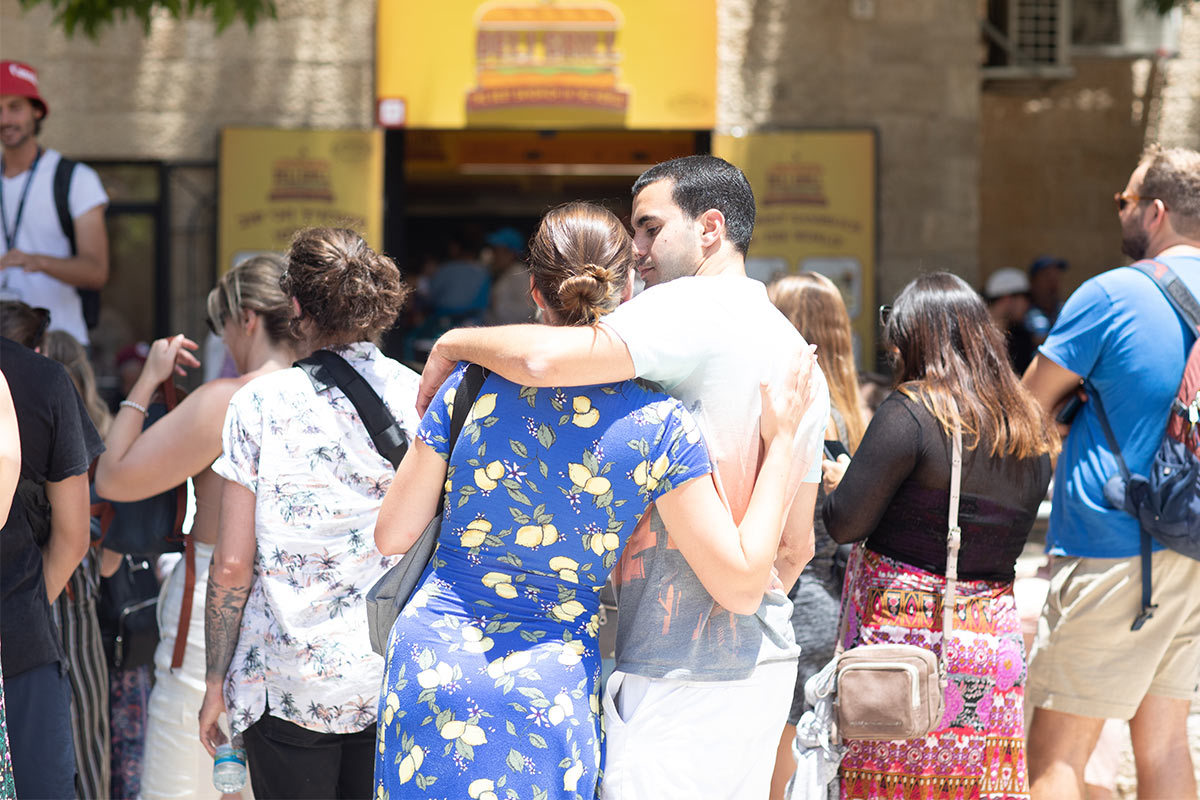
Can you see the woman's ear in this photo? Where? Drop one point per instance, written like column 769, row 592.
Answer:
column 538, row 298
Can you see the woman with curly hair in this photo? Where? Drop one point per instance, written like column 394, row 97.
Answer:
column 288, row 649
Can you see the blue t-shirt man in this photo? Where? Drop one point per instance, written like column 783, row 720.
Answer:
column 1119, row 332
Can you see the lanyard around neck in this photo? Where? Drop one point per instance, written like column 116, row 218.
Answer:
column 10, row 237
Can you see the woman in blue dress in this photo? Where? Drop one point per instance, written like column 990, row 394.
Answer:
column 492, row 683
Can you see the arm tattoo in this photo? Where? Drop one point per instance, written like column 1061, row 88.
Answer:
column 223, row 609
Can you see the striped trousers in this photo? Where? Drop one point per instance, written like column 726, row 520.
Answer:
column 75, row 612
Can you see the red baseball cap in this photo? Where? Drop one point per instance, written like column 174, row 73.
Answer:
column 21, row 80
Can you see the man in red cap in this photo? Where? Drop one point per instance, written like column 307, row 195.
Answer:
column 54, row 240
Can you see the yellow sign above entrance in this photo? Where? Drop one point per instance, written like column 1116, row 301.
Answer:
column 639, row 64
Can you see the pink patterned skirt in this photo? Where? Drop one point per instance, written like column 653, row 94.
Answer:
column 978, row 751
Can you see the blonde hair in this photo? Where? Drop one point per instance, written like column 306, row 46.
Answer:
column 813, row 304
column 253, row 285
column 64, row 348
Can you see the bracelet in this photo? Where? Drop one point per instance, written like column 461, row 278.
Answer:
column 134, row 405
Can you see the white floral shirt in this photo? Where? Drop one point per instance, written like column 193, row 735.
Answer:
column 318, row 483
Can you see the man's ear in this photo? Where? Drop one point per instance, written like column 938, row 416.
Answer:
column 712, row 228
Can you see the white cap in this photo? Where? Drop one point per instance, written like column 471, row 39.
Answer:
column 1005, row 281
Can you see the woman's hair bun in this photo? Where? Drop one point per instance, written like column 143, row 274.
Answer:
column 350, row 292
column 580, row 259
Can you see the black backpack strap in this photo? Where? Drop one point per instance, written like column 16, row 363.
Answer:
column 1094, row 399
column 464, row 398
column 62, row 204
column 1147, row 607
column 1182, row 300
column 326, row 369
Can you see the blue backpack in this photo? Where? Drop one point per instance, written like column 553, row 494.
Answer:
column 1166, row 503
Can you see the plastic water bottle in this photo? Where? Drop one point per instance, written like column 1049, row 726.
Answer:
column 229, row 767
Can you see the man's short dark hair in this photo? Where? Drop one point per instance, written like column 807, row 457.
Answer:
column 703, row 182
column 1173, row 176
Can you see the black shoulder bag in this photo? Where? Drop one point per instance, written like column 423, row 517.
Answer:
column 390, row 593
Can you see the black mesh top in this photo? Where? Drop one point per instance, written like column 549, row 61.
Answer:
column 896, row 495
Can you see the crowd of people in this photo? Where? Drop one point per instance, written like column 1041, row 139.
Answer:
column 682, row 445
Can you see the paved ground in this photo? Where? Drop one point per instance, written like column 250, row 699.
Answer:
column 1126, row 780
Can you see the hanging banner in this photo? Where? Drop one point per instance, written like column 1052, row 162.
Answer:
column 273, row 182
column 816, row 197
column 644, row 64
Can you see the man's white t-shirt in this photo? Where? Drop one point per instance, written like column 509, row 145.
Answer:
column 708, row 341
column 41, row 234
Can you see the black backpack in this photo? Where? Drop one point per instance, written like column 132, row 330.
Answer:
column 1166, row 503
column 88, row 298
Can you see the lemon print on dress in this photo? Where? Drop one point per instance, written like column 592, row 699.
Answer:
column 585, row 416
column 474, row 641
column 476, row 532
column 487, row 478
column 648, row 475
column 567, row 611
column 604, row 543
column 572, row 653
column 392, row 706
column 411, row 763
column 562, row 708
column 535, row 535
column 572, row 775
column 440, row 675
column 509, row 664
column 501, row 583
column 484, row 406
column 470, row 733
column 566, row 567
column 482, row 789
column 582, row 477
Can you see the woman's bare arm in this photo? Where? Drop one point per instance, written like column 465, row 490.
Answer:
column 412, row 499
column 137, row 464
column 735, row 562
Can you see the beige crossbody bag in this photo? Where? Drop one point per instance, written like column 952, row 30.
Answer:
column 897, row 691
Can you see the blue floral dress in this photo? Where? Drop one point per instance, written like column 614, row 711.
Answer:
column 493, row 672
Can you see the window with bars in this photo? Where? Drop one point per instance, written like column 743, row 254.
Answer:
column 1027, row 38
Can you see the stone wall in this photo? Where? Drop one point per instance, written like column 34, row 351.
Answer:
column 1053, row 153
column 164, row 94
column 910, row 69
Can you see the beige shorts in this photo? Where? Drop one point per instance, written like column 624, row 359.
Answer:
column 1086, row 661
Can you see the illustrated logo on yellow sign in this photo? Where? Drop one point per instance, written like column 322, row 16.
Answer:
column 301, row 179
column 560, row 61
column 795, row 183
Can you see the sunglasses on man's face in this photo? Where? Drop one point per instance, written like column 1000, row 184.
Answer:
column 1124, row 199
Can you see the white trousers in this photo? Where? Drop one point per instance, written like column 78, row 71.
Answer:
column 176, row 765
column 682, row 739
